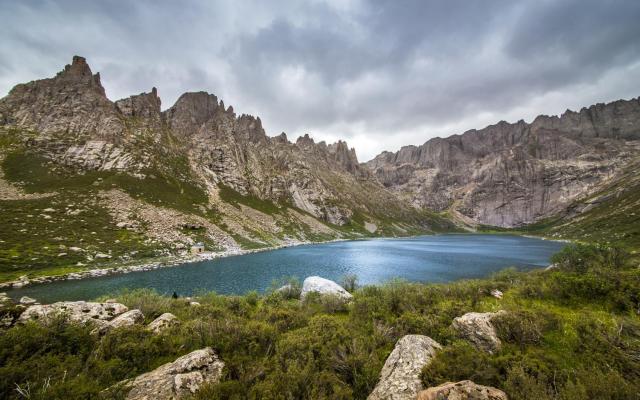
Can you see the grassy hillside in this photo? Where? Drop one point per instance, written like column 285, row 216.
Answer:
column 571, row 333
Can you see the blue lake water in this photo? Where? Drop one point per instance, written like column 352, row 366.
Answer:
column 439, row 258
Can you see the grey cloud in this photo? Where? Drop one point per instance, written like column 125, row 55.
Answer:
column 362, row 70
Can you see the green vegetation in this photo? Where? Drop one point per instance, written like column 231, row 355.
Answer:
column 570, row 333
column 235, row 198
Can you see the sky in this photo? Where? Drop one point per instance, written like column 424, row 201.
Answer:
column 378, row 74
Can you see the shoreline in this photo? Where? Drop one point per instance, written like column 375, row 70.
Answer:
column 177, row 260
column 151, row 264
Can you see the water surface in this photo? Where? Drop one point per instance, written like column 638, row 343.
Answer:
column 439, row 258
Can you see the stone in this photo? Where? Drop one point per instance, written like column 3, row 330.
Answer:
column 129, row 318
column 77, row 311
column 163, row 322
column 478, row 329
column 324, row 287
column 400, row 376
column 497, row 293
column 27, row 300
column 178, row 379
column 497, row 176
column 463, row 390
column 194, row 304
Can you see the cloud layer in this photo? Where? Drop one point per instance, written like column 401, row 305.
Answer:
column 380, row 74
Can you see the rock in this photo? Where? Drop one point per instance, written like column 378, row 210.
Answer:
column 497, row 293
column 400, row 376
column 194, row 304
column 324, row 287
column 178, row 379
column 163, row 322
column 478, row 329
column 463, row 390
column 27, row 300
column 77, row 311
column 497, row 176
column 128, row 318
column 102, row 255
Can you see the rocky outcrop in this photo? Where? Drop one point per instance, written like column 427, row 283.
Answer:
column 129, row 318
column 178, row 379
column 400, row 376
column 513, row 174
column 478, row 329
column 163, row 322
column 73, row 102
column 76, row 311
column 323, row 287
column 463, row 390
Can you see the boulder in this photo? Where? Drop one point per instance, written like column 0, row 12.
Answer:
column 478, row 329
column 178, row 379
column 131, row 317
column 27, row 300
column 78, row 311
column 400, row 376
column 463, row 390
column 163, row 322
column 324, row 287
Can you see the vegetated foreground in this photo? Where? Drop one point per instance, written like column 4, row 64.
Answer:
column 570, row 332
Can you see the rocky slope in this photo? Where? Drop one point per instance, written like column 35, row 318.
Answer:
column 509, row 175
column 125, row 179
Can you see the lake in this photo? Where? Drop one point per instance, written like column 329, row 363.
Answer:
column 439, row 258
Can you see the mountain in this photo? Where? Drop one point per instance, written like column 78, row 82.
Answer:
column 510, row 175
column 86, row 181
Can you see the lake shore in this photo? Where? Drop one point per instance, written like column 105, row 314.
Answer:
column 153, row 264
column 176, row 260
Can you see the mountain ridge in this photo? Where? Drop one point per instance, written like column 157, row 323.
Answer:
column 129, row 180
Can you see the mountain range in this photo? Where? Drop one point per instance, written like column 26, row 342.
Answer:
column 86, row 181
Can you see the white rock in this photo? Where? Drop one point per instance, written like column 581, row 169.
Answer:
column 324, row 287
column 400, row 376
column 27, row 300
column 77, row 311
column 478, row 329
column 497, row 293
column 463, row 390
column 163, row 322
column 178, row 379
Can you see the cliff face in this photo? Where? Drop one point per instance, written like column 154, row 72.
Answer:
column 197, row 164
column 512, row 174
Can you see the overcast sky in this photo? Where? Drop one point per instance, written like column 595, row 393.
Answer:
column 379, row 74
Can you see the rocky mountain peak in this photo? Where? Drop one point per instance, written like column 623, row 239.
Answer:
column 344, row 156
column 191, row 110
column 79, row 71
column 145, row 105
column 73, row 101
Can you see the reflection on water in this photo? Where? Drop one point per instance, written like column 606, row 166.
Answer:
column 424, row 259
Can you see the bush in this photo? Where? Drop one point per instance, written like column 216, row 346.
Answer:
column 524, row 327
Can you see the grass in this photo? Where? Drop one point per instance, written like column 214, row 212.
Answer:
column 571, row 333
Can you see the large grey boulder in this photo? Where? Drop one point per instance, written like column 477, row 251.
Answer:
column 77, row 311
column 400, row 376
column 478, row 329
column 324, row 287
column 129, row 318
column 178, row 379
column 163, row 322
column 463, row 390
